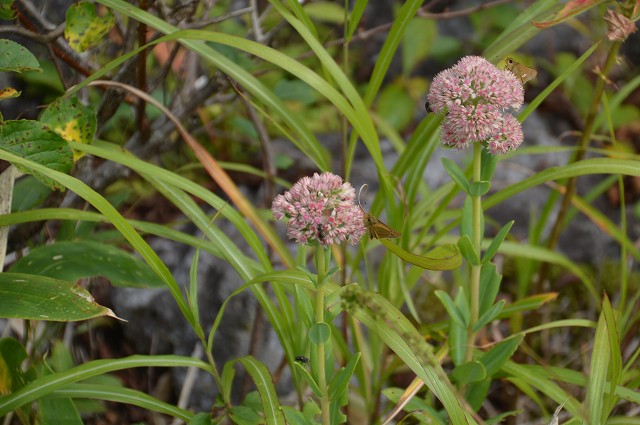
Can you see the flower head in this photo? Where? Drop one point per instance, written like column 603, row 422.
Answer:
column 476, row 97
column 320, row 209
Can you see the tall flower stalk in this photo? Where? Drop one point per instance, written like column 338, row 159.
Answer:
column 321, row 212
column 477, row 99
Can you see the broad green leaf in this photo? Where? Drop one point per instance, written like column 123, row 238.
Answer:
column 479, row 188
column 477, row 392
column 25, row 296
column 85, row 27
column 469, row 372
column 72, row 120
column 468, row 251
column 496, row 242
column 15, row 57
column 36, row 142
column 6, row 11
column 444, row 257
column 264, row 384
column 73, row 260
column 58, row 412
column 320, row 333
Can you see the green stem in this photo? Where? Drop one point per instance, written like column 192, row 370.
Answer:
column 474, row 295
column 325, row 403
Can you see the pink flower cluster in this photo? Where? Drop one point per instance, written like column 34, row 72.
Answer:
column 321, row 209
column 476, row 97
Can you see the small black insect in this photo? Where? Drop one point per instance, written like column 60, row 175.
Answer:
column 302, row 359
column 321, row 234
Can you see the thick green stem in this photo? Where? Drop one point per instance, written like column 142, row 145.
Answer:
column 325, row 403
column 474, row 285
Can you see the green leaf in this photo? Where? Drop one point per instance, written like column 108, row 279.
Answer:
column 6, row 11
column 72, row 120
column 488, row 165
column 489, row 286
column 25, row 296
column 58, row 412
column 456, row 174
column 73, row 260
column 451, row 308
column 418, row 38
column 15, row 57
column 489, row 315
column 479, row 188
column 264, row 384
column 307, row 377
column 85, row 27
column 12, row 355
column 36, row 142
column 468, row 251
column 477, row 392
column 457, row 341
column 339, row 385
column 615, row 362
column 496, row 242
column 28, row 193
column 598, row 370
column 395, row 105
column 325, row 11
column 469, row 372
column 295, row 90
column 319, row 333
column 228, row 373
column 494, row 359
column 444, row 257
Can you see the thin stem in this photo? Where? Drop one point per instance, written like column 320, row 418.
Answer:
column 476, row 208
column 325, row 404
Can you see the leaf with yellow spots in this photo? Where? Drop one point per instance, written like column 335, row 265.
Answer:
column 72, row 121
column 8, row 93
column 85, row 27
column 35, row 141
column 16, row 58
